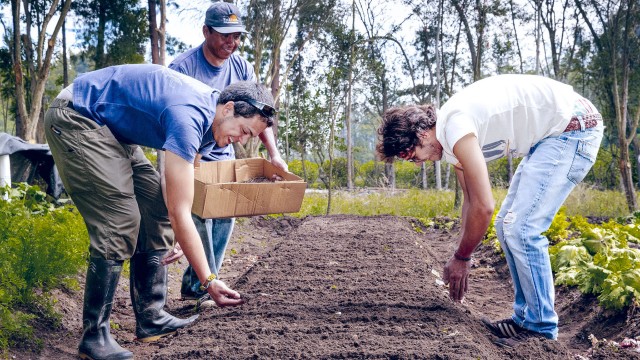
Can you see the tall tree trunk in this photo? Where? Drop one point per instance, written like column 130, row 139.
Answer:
column 390, row 168
column 331, row 139
column 22, row 116
column 162, row 34
column 153, row 32
column 538, row 34
column 390, row 173
column 275, row 87
column 304, row 167
column 436, row 165
column 65, row 62
column 102, row 24
column 621, row 96
column 39, row 64
column 515, row 33
column 447, row 176
column 158, row 50
column 349, row 91
column 287, row 150
column 509, row 167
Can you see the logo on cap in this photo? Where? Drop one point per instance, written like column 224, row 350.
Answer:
column 231, row 19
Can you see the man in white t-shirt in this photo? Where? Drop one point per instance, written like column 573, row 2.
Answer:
column 558, row 134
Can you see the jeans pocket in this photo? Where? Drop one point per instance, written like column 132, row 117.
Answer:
column 583, row 159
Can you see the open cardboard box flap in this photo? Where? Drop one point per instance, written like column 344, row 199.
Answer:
column 221, row 190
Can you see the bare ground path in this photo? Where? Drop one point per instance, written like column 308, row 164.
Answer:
column 348, row 287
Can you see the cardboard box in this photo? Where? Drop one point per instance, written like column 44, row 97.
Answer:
column 221, row 190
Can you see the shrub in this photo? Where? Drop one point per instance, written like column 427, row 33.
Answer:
column 295, row 166
column 372, row 173
column 407, row 175
column 339, row 172
column 151, row 154
column 42, row 247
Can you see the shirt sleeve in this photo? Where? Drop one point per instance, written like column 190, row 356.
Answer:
column 457, row 127
column 251, row 75
column 183, row 131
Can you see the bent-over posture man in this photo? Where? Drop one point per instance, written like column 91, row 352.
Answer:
column 94, row 128
column 216, row 64
column 555, row 130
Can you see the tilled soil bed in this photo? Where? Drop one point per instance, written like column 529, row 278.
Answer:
column 348, row 287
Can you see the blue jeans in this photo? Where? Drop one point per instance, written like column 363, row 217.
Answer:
column 542, row 182
column 215, row 235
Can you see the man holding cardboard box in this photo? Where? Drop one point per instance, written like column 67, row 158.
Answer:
column 93, row 128
column 216, row 64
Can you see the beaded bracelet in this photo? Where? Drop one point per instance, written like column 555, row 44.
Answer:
column 209, row 280
column 460, row 257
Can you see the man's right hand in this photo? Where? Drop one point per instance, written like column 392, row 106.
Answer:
column 278, row 162
column 456, row 275
column 223, row 295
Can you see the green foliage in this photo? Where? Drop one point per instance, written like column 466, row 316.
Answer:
column 339, row 179
column 499, row 171
column 407, row 175
column 112, row 32
column 559, row 228
column 415, row 203
column 491, row 238
column 600, row 262
column 604, row 173
column 372, row 173
column 311, row 168
column 587, row 201
column 151, row 155
column 42, row 247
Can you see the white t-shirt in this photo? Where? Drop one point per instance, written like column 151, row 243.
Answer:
column 507, row 113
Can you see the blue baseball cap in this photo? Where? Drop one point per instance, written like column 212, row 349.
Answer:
column 224, row 18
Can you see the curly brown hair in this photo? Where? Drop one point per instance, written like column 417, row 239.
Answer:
column 400, row 128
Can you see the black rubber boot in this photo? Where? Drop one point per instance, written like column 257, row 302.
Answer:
column 148, row 296
column 97, row 342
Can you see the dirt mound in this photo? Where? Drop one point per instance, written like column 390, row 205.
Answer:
column 350, row 287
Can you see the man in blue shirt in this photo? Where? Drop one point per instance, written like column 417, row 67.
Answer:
column 94, row 128
column 216, row 64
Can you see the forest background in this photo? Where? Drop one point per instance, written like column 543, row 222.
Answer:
column 336, row 66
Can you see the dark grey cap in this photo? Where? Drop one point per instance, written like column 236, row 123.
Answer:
column 225, row 18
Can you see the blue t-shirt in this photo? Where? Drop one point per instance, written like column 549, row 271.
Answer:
column 235, row 68
column 149, row 105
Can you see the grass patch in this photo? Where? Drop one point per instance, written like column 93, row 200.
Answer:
column 584, row 201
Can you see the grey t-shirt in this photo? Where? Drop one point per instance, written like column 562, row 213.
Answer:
column 235, row 68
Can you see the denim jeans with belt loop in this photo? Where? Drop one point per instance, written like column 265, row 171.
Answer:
column 541, row 183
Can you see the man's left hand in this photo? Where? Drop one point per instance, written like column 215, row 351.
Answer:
column 456, row 274
column 173, row 255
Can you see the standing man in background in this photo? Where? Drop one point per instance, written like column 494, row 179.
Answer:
column 215, row 63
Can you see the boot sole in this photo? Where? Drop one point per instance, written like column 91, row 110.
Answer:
column 155, row 337
column 87, row 357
